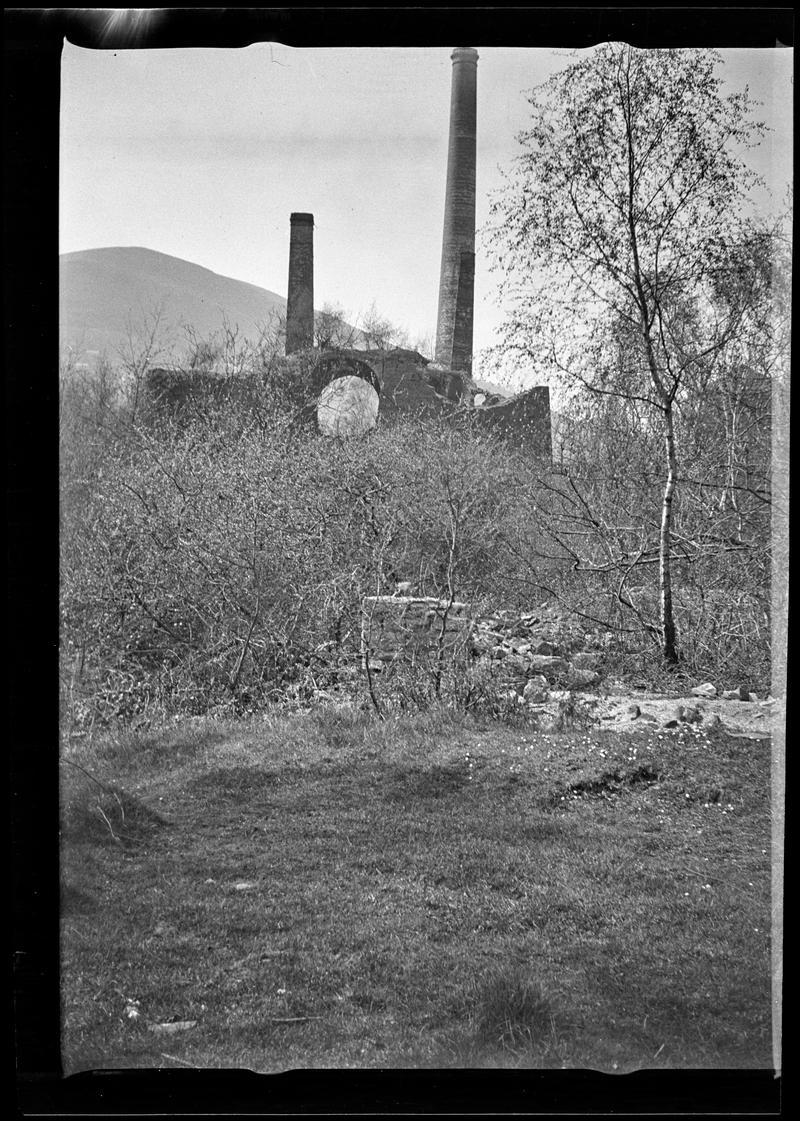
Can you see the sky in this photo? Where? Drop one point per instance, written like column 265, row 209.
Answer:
column 204, row 153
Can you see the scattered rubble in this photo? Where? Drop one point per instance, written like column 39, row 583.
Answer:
column 550, row 663
column 743, row 718
column 583, row 678
column 536, row 689
column 739, row 694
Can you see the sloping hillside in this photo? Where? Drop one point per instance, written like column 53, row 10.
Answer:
column 102, row 291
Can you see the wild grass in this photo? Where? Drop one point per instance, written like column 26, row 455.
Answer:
column 326, row 889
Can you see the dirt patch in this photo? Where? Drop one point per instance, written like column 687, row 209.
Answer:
column 607, row 784
column 613, row 781
column 753, row 719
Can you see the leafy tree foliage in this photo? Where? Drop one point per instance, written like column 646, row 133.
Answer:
column 629, row 268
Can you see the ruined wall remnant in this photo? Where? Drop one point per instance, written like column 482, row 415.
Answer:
column 537, row 654
column 401, row 378
column 300, row 294
column 454, row 322
column 172, row 392
column 341, row 364
column 523, row 421
column 397, row 383
column 408, row 386
column 412, row 628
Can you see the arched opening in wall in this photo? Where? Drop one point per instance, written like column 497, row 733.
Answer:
column 349, row 396
column 334, row 366
column 347, row 406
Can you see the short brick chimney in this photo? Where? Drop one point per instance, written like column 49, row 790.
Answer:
column 300, row 295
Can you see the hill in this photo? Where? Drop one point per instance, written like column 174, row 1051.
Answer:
column 103, row 291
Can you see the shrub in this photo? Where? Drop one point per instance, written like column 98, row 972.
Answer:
column 212, row 565
column 216, row 559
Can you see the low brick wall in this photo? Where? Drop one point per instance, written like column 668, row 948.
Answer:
column 412, row 627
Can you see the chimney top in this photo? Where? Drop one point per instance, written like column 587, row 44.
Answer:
column 303, row 219
column 464, row 54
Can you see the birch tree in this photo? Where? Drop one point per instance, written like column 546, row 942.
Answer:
column 608, row 233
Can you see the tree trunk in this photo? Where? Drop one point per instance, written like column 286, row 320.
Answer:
column 668, row 631
column 668, row 634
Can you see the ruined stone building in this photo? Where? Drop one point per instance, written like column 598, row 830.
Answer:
column 402, row 381
column 354, row 388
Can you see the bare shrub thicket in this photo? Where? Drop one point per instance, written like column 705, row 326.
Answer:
column 599, row 511
column 218, row 555
column 215, row 553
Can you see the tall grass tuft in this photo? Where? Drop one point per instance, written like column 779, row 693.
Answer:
column 512, row 1012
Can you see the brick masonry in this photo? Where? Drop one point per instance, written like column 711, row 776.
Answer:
column 408, row 385
column 454, row 322
column 300, row 295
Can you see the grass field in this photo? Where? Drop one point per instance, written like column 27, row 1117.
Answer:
column 326, row 890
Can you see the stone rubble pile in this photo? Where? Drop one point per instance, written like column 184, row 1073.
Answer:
column 411, row 627
column 532, row 658
column 532, row 652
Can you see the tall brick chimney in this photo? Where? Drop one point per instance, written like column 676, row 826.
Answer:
column 456, row 302
column 300, row 295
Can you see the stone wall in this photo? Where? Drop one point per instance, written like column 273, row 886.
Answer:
column 409, row 385
column 412, row 628
column 404, row 381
